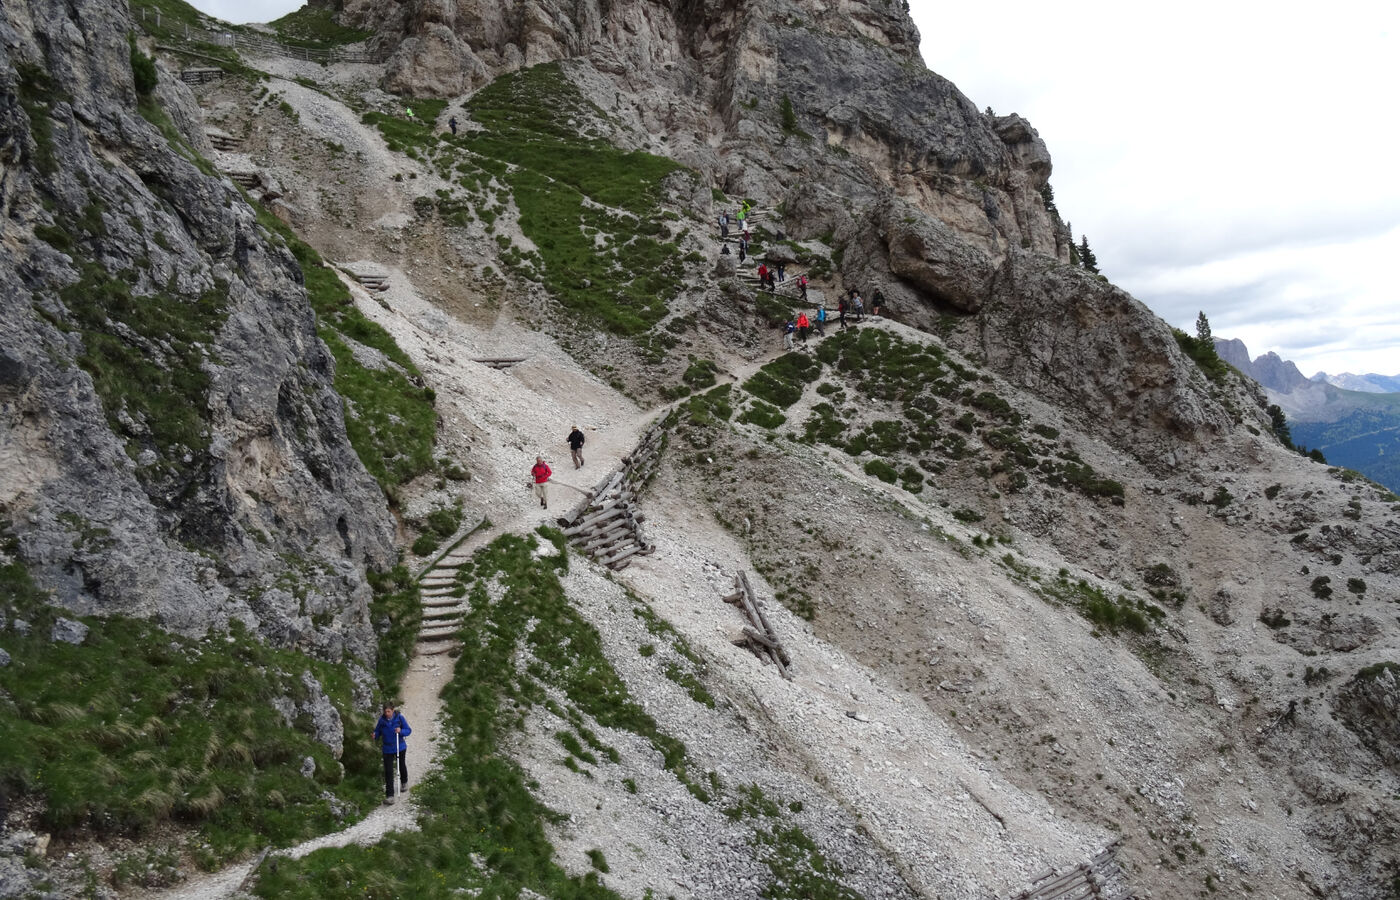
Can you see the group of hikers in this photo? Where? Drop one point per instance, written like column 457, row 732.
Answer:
column 540, row 472
column 851, row 305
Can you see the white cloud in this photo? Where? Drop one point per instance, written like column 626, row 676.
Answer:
column 1231, row 157
column 242, row 11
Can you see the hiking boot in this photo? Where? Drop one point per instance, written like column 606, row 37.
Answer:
column 403, row 787
column 389, row 800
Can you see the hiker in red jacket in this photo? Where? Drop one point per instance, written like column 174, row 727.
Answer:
column 540, row 472
column 802, row 325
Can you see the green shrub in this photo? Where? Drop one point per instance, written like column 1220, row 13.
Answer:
column 763, row 415
column 881, row 470
column 781, row 381
column 700, row 374
column 1272, row 491
column 1321, row 587
column 143, row 70
column 1356, row 586
column 1203, row 354
column 967, row 516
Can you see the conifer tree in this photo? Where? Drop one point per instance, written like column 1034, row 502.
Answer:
column 1203, row 329
column 1086, row 256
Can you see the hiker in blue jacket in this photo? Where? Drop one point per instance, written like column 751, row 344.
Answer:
column 390, row 731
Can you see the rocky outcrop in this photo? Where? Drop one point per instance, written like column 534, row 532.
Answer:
column 1370, row 707
column 170, row 443
column 929, row 256
column 1084, row 344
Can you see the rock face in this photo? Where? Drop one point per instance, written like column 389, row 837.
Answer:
column 1370, row 705
column 848, row 73
column 170, row 443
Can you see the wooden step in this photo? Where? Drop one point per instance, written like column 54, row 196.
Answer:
column 200, row 76
column 224, row 142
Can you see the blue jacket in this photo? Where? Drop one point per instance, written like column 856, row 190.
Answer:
column 384, row 731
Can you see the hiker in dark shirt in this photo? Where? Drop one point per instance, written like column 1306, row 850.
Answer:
column 452, row 123
column 576, row 447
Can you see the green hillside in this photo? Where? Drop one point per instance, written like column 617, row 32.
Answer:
column 1366, row 439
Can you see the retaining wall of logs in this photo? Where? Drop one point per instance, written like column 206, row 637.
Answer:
column 606, row 524
column 1098, row 877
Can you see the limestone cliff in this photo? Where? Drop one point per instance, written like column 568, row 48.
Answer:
column 170, row 444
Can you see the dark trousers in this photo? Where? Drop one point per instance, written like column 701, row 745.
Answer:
column 402, row 757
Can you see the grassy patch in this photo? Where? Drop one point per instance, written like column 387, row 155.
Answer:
column 798, row 867
column 316, row 27
column 437, row 526
column 882, row 470
column 396, row 612
column 480, row 806
column 1108, row 613
column 762, row 415
column 781, row 381
column 591, row 210
column 136, row 727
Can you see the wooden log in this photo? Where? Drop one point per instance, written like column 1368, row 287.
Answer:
column 763, row 620
column 762, row 639
column 590, row 531
column 751, row 609
column 604, row 545
column 622, row 554
column 736, row 598
column 587, row 535
column 606, row 539
column 607, row 523
column 609, row 511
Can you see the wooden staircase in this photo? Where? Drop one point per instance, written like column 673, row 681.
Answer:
column 444, row 603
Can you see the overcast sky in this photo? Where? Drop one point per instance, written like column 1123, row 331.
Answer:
column 1232, row 156
column 1235, row 156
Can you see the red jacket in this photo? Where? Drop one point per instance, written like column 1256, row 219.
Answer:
column 802, row 321
column 541, row 472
